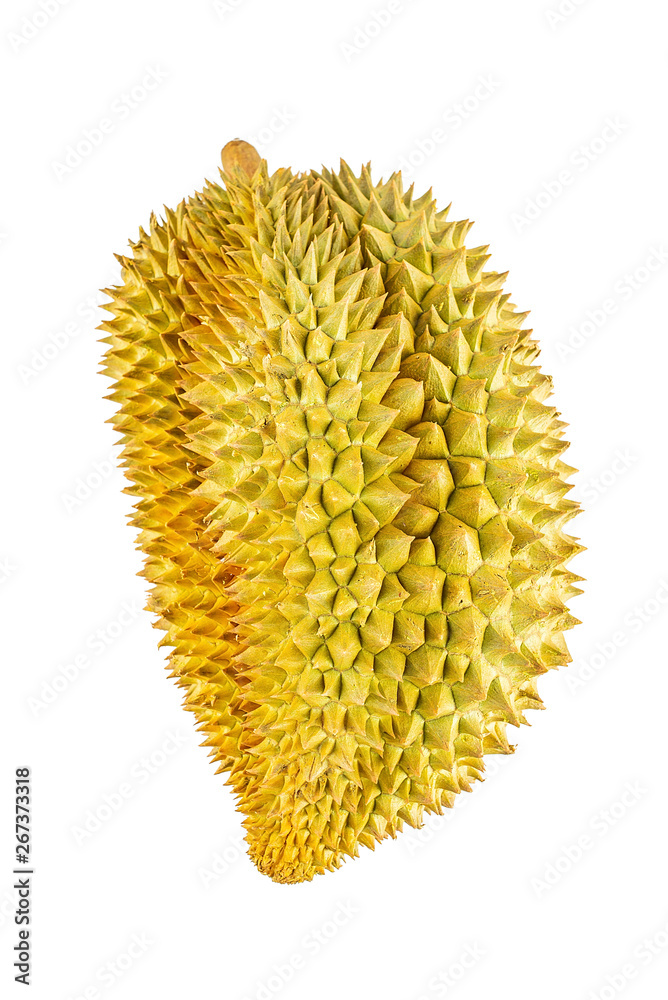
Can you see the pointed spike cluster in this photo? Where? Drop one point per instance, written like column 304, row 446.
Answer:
column 350, row 495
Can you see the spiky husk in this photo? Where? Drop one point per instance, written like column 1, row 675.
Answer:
column 350, row 497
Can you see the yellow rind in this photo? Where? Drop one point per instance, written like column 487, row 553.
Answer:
column 350, row 495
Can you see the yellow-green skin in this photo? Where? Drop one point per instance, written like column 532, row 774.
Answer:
column 351, row 498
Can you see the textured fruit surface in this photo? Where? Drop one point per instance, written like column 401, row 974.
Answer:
column 351, row 498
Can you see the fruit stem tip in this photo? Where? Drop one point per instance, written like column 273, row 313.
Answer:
column 238, row 155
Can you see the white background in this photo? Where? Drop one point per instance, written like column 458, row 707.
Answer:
column 521, row 95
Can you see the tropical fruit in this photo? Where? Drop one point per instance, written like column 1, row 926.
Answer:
column 350, row 495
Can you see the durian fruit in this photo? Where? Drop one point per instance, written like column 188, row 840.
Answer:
column 350, row 494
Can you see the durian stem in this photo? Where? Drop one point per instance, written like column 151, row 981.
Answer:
column 240, row 156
